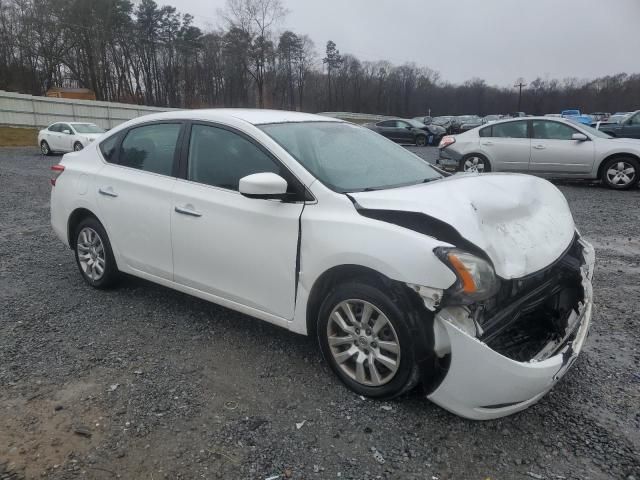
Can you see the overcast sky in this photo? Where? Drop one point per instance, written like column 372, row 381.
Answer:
column 498, row 40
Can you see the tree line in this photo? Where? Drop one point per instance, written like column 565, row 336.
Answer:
column 149, row 54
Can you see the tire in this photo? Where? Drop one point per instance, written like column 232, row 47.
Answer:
column 474, row 162
column 93, row 253
column 77, row 147
column 402, row 372
column 421, row 141
column 620, row 173
column 45, row 149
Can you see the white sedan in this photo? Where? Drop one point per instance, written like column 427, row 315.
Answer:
column 67, row 137
column 478, row 287
column 547, row 147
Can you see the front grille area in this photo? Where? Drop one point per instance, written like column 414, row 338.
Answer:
column 533, row 317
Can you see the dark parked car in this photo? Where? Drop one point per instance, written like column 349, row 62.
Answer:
column 408, row 131
column 470, row 121
column 627, row 127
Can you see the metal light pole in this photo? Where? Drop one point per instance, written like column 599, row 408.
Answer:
column 520, row 85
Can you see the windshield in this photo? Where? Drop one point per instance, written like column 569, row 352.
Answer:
column 348, row 158
column 87, row 128
column 594, row 132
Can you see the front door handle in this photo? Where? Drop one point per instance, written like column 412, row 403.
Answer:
column 539, row 147
column 188, row 210
column 487, row 143
column 107, row 192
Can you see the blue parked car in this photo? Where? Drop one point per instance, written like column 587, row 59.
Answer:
column 577, row 116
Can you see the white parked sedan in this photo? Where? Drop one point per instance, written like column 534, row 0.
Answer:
column 67, row 137
column 546, row 147
column 477, row 287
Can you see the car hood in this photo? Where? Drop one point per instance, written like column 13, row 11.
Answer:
column 522, row 223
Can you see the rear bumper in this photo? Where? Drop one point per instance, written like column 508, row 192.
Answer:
column 448, row 160
column 482, row 384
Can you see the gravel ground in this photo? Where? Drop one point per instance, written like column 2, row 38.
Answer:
column 144, row 382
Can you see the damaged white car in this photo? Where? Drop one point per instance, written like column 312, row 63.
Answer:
column 476, row 287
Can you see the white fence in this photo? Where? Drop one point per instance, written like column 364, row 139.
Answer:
column 20, row 110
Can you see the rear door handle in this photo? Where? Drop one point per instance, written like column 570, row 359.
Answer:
column 539, row 147
column 107, row 192
column 188, row 210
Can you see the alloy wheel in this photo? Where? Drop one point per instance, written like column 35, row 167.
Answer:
column 77, row 147
column 363, row 342
column 474, row 165
column 621, row 173
column 91, row 254
column 44, row 148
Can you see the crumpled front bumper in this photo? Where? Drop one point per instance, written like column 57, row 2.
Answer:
column 482, row 384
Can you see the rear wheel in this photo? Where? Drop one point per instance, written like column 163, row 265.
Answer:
column 365, row 338
column 621, row 173
column 77, row 147
column 475, row 163
column 44, row 148
column 94, row 255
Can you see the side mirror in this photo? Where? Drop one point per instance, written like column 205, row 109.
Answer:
column 579, row 137
column 264, row 186
column 67, row 132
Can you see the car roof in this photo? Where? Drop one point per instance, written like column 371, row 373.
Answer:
column 252, row 116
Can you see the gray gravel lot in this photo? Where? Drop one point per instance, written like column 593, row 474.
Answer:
column 144, row 383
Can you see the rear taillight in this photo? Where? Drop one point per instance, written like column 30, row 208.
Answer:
column 446, row 141
column 57, row 171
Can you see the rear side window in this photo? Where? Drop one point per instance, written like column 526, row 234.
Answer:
column 510, row 130
column 220, row 158
column 485, row 132
column 151, row 148
column 109, row 148
column 546, row 130
column 635, row 120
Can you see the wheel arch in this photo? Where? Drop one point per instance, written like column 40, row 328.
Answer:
column 611, row 157
column 77, row 216
column 341, row 274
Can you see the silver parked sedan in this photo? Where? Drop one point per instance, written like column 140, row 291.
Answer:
column 547, row 147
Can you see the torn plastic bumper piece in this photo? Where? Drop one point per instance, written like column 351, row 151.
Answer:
column 482, row 384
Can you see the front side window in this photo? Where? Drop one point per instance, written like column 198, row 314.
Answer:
column 220, row 158
column 65, row 128
column 349, row 158
column 151, row 148
column 387, row 124
column 546, row 130
column 510, row 130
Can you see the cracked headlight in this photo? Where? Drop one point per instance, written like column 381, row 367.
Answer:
column 476, row 278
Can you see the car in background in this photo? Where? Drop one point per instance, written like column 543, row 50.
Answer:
column 66, row 137
column 459, row 121
column 445, row 121
column 478, row 122
column 599, row 116
column 470, row 285
column 547, row 147
column 408, row 131
column 628, row 126
column 576, row 116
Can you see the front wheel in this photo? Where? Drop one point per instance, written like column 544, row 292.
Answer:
column 365, row 338
column 44, row 148
column 621, row 173
column 94, row 255
column 421, row 141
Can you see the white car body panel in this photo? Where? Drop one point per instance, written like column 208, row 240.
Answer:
column 523, row 223
column 240, row 249
column 242, row 253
